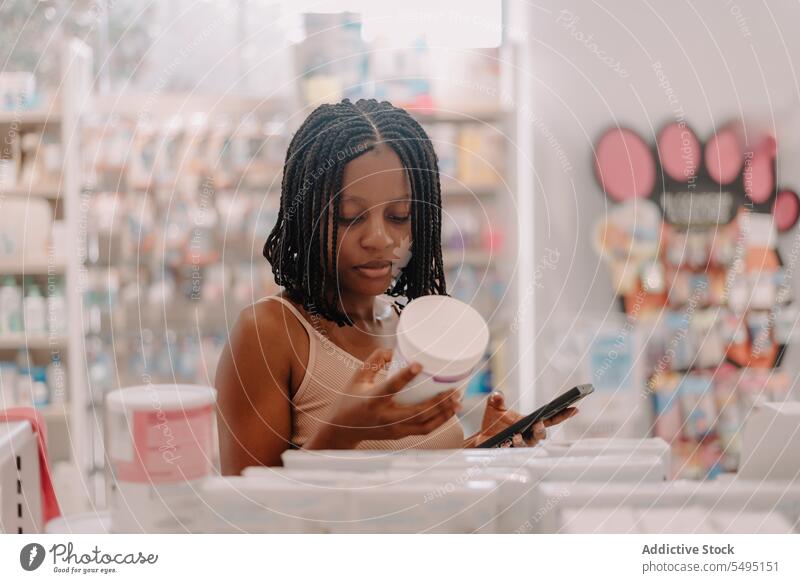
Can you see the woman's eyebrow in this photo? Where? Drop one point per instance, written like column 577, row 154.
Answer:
column 402, row 198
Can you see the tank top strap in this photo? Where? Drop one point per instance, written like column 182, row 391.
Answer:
column 306, row 324
column 313, row 340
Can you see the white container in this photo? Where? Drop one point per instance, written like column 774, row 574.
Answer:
column 422, row 507
column 447, row 337
column 10, row 306
column 717, row 496
column 161, row 445
column 771, row 443
column 236, row 504
column 338, row 459
column 8, row 385
column 613, row 446
column 35, row 311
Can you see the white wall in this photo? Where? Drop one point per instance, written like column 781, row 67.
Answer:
column 722, row 60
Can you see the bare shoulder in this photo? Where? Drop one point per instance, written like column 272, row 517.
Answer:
column 269, row 323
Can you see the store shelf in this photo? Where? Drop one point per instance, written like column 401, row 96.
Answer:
column 31, row 341
column 50, row 193
column 468, row 257
column 38, row 266
column 456, row 116
column 55, row 412
column 451, row 189
column 30, row 117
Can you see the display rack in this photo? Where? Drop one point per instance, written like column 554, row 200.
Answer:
column 51, row 265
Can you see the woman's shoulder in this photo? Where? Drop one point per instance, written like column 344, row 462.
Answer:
column 269, row 320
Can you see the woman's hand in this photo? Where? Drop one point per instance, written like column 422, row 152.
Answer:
column 496, row 418
column 366, row 408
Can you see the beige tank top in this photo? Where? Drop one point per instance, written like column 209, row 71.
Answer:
column 328, row 371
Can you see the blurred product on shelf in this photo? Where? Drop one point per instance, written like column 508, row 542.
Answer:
column 25, row 230
column 704, row 292
column 10, row 306
column 34, row 310
column 18, row 91
column 24, row 383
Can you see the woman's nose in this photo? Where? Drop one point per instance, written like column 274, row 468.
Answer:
column 376, row 236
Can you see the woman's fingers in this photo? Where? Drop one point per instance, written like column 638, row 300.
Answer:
column 400, row 379
column 538, row 434
column 371, row 366
column 445, row 402
column 429, row 425
column 563, row 416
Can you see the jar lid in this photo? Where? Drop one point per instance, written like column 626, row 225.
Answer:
column 445, row 335
column 166, row 396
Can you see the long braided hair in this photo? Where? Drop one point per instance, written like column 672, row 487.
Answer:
column 332, row 136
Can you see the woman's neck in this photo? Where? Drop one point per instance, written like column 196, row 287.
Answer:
column 360, row 308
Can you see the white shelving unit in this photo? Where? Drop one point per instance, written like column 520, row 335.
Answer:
column 66, row 421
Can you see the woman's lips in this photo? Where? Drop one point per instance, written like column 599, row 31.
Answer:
column 376, row 271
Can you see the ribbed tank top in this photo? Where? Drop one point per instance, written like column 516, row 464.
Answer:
column 328, row 371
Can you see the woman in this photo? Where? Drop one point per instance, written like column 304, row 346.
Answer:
column 359, row 223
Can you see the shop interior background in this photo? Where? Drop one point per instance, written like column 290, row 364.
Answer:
column 149, row 138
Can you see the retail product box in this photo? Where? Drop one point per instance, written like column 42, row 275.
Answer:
column 722, row 501
column 253, row 505
column 600, row 469
column 691, row 519
column 335, row 459
column 423, row 507
column 771, row 443
column 511, row 488
column 612, row 446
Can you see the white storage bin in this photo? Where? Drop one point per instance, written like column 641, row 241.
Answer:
column 423, row 508
column 512, row 488
column 564, row 499
column 238, row 504
column 601, row 469
column 613, row 446
column 337, row 459
column 771, row 443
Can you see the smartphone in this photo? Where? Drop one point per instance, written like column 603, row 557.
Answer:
column 525, row 425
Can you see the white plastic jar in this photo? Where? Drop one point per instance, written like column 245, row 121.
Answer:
column 161, row 443
column 447, row 337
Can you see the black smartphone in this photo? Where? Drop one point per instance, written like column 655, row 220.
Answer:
column 525, row 425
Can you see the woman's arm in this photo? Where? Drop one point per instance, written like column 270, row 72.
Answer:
column 254, row 418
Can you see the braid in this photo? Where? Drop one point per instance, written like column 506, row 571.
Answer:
column 332, row 136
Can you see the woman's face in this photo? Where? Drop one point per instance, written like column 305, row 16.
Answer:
column 374, row 222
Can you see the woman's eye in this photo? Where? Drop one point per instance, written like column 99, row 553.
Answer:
column 349, row 220
column 402, row 219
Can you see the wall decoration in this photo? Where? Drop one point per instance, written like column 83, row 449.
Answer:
column 691, row 244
